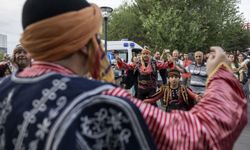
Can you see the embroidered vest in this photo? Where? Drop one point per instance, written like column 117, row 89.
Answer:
column 66, row 112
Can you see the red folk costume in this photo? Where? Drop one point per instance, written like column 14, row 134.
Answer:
column 147, row 74
column 179, row 98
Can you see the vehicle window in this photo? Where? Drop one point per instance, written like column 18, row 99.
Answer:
column 123, row 55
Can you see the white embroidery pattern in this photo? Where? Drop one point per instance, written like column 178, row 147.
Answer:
column 5, row 108
column 106, row 129
column 39, row 105
column 43, row 128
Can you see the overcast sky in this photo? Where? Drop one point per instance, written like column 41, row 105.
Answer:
column 10, row 17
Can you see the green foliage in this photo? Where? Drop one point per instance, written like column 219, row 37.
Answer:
column 1, row 55
column 124, row 24
column 187, row 25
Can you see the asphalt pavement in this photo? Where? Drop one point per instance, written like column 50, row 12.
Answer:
column 243, row 142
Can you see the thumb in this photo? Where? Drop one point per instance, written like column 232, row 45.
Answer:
column 216, row 56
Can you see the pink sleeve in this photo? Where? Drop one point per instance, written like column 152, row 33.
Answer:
column 164, row 65
column 123, row 65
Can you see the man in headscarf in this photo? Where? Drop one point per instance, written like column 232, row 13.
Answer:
column 51, row 105
column 147, row 73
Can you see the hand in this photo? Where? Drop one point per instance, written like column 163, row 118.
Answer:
column 146, row 101
column 117, row 57
column 216, row 56
column 3, row 63
column 166, row 51
column 170, row 58
column 198, row 97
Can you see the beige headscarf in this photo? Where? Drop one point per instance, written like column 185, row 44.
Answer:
column 57, row 37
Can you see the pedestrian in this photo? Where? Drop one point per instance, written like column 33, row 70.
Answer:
column 198, row 73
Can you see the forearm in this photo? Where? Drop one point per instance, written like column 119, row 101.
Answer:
column 123, row 65
column 164, row 65
column 191, row 94
column 223, row 109
column 154, row 98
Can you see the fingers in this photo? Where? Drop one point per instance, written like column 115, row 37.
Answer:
column 217, row 54
column 216, row 49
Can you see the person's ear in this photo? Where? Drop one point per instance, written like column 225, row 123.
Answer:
column 84, row 51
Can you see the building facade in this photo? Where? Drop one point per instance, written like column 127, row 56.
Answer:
column 247, row 26
column 3, row 43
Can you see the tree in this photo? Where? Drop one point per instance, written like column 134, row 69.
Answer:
column 186, row 25
column 1, row 55
column 124, row 24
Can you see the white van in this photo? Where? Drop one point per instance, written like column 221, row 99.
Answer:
column 126, row 49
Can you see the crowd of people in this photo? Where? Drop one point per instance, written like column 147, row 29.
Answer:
column 192, row 67
column 58, row 90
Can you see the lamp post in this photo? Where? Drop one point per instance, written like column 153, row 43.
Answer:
column 106, row 11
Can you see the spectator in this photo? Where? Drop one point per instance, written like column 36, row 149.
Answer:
column 198, row 73
column 21, row 58
column 5, row 66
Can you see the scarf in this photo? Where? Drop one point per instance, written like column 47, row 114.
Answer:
column 146, row 70
column 57, row 37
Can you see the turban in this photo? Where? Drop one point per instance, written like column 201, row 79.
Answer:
column 54, row 38
column 58, row 36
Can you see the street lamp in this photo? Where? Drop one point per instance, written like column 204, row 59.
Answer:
column 106, row 11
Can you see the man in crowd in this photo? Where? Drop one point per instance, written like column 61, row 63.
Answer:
column 5, row 66
column 186, row 62
column 162, row 73
column 177, row 62
column 198, row 73
column 19, row 61
column 21, row 58
column 51, row 105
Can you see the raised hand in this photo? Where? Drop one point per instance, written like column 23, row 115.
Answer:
column 216, row 56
